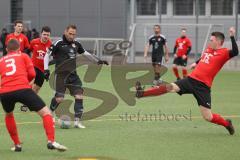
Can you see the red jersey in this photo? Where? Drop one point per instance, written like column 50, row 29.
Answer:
column 16, row 70
column 39, row 50
column 23, row 40
column 182, row 45
column 210, row 64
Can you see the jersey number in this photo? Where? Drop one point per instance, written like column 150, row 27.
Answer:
column 10, row 63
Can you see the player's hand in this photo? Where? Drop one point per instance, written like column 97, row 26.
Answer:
column 102, row 62
column 175, row 55
column 184, row 57
column 46, row 74
column 232, row 31
column 193, row 65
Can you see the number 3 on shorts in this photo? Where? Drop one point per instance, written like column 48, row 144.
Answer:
column 10, row 63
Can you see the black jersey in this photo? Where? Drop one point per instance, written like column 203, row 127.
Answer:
column 157, row 43
column 65, row 53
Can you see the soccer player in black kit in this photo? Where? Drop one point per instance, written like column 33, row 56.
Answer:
column 159, row 49
column 64, row 52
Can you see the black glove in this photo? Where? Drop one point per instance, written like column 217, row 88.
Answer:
column 46, row 74
column 102, row 62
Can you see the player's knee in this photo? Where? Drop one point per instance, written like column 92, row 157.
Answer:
column 10, row 114
column 172, row 87
column 207, row 117
column 79, row 94
column 59, row 99
column 44, row 111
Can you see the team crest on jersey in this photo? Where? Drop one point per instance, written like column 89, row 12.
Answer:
column 73, row 45
column 20, row 40
column 159, row 39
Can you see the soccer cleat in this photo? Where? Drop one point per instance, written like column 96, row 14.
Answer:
column 78, row 124
column 230, row 127
column 16, row 148
column 24, row 108
column 139, row 89
column 56, row 146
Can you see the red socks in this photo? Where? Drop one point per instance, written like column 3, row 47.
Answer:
column 217, row 119
column 49, row 127
column 184, row 72
column 155, row 91
column 12, row 128
column 175, row 71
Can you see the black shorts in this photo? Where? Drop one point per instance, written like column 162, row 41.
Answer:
column 39, row 79
column 25, row 96
column 201, row 91
column 180, row 62
column 71, row 81
column 156, row 59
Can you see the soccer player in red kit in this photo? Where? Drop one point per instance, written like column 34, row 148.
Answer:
column 181, row 51
column 17, row 71
column 39, row 47
column 199, row 82
column 17, row 34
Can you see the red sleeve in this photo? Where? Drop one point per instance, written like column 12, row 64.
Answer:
column 29, row 67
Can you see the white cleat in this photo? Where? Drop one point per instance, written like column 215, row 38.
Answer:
column 57, row 146
column 78, row 124
column 16, row 148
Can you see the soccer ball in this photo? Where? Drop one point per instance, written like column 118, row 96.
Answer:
column 64, row 122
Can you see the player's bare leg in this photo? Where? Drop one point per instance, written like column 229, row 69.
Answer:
column 157, row 72
column 156, row 90
column 78, row 109
column 217, row 119
column 36, row 88
column 48, row 125
column 12, row 130
column 175, row 71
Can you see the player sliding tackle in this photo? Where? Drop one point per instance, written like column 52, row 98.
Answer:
column 199, row 82
column 17, row 71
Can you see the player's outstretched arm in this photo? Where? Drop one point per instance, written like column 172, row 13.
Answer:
column 94, row 58
column 234, row 51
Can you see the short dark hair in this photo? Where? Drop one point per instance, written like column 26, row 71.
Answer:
column 72, row 26
column 13, row 45
column 219, row 35
column 183, row 29
column 18, row 21
column 158, row 26
column 46, row 29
